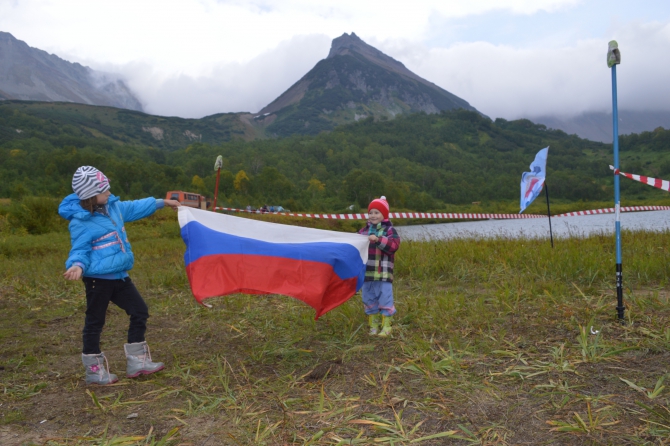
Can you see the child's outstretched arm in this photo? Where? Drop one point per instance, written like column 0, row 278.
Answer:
column 137, row 209
column 79, row 257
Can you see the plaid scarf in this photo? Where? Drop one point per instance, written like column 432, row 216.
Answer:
column 377, row 230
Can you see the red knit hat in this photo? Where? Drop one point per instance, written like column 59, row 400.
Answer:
column 381, row 205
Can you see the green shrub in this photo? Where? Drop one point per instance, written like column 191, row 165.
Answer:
column 36, row 215
column 4, row 224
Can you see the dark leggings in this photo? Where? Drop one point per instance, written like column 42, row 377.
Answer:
column 122, row 292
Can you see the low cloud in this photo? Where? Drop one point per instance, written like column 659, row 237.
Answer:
column 511, row 83
column 500, row 81
column 201, row 57
column 228, row 87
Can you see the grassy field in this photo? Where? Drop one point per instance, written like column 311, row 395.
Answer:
column 496, row 342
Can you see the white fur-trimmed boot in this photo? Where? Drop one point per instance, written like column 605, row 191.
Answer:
column 97, row 369
column 139, row 360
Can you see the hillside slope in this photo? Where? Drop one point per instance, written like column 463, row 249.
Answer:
column 43, row 120
column 354, row 82
column 28, row 73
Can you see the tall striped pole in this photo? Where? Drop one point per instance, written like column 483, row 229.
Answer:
column 613, row 59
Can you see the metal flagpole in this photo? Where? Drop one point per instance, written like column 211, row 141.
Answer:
column 613, row 59
column 217, row 166
column 546, row 192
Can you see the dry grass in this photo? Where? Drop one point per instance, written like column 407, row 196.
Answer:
column 493, row 346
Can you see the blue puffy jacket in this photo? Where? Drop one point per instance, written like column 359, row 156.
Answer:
column 99, row 242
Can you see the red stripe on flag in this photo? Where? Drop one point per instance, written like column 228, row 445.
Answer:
column 314, row 283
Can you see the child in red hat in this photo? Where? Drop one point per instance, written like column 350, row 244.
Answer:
column 378, row 287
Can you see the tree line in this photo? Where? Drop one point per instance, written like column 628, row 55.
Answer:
column 420, row 162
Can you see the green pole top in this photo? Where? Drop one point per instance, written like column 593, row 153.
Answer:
column 613, row 54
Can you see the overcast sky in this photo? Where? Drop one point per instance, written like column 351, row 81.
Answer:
column 507, row 58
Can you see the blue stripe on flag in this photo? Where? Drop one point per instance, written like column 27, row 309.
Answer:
column 203, row 241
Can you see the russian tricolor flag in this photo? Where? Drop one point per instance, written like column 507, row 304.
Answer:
column 226, row 254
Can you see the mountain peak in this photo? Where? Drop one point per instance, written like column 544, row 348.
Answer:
column 348, row 42
column 355, row 81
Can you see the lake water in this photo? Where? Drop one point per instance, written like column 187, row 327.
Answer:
column 580, row 226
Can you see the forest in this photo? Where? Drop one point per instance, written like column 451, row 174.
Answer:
column 420, row 162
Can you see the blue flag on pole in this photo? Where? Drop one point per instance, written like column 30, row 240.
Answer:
column 532, row 182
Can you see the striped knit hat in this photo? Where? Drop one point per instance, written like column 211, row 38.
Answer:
column 381, row 205
column 88, row 182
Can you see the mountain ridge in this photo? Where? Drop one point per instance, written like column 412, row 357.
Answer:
column 28, row 73
column 345, row 43
column 353, row 82
column 597, row 126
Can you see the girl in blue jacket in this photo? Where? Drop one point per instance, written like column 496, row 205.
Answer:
column 101, row 256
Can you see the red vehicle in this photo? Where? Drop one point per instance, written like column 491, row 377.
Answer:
column 189, row 199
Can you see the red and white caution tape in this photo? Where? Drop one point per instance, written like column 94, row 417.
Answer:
column 434, row 215
column 611, row 210
column 655, row 182
column 449, row 216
